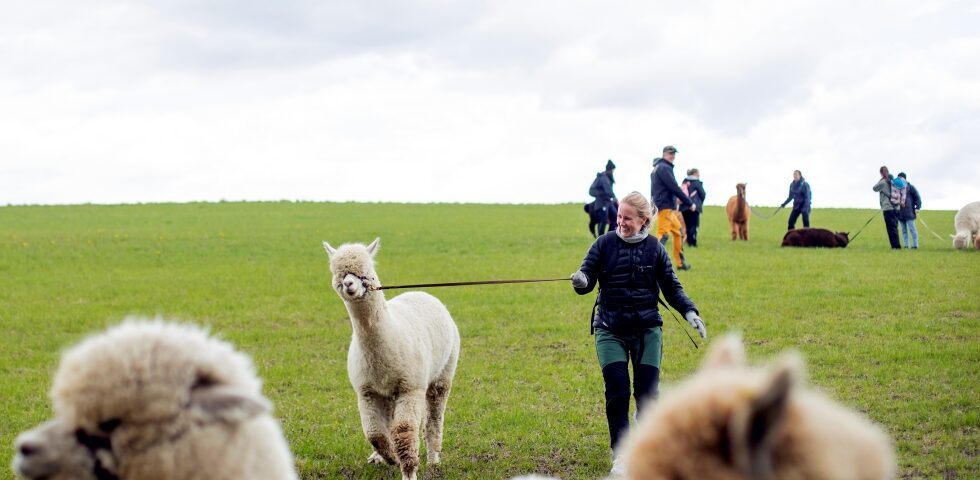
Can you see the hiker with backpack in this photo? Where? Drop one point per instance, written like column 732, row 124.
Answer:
column 694, row 190
column 890, row 199
column 604, row 206
column 906, row 215
column 631, row 269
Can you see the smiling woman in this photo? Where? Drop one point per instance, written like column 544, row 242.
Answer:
column 631, row 269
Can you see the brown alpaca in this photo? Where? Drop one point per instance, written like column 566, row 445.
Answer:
column 738, row 214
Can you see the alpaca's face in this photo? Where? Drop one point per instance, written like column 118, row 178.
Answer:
column 959, row 241
column 352, row 267
column 351, row 287
column 52, row 451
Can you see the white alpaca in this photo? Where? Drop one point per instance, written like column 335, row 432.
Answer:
column 730, row 421
column 151, row 400
column 401, row 360
column 967, row 225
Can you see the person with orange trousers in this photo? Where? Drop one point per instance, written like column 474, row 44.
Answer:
column 663, row 192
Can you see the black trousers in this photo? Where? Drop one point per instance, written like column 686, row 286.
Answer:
column 891, row 226
column 646, row 379
column 794, row 215
column 692, row 220
column 607, row 215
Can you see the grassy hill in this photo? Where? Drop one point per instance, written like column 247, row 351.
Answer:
column 895, row 334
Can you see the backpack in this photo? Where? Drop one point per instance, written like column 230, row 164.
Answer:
column 594, row 188
column 686, row 188
column 897, row 194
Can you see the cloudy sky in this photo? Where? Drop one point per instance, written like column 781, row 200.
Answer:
column 483, row 101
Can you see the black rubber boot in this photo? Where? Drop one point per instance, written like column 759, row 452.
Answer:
column 617, row 379
column 646, row 386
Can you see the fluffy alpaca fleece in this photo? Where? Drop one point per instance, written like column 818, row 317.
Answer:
column 738, row 214
column 733, row 422
column 401, row 360
column 967, row 225
column 152, row 400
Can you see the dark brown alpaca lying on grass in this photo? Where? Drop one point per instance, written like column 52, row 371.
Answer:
column 814, row 237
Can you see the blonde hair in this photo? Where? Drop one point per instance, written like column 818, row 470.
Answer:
column 640, row 204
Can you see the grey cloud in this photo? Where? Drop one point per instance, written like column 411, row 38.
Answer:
column 260, row 34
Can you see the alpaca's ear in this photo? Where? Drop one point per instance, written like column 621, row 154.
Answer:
column 728, row 352
column 752, row 426
column 227, row 404
column 330, row 250
column 373, row 247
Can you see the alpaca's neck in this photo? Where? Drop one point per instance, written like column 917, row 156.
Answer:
column 368, row 315
column 740, row 214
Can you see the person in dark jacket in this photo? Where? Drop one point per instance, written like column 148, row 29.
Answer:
column 663, row 192
column 604, row 207
column 888, row 210
column 907, row 213
column 692, row 218
column 631, row 268
column 799, row 194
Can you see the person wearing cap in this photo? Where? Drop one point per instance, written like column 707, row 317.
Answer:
column 799, row 194
column 602, row 190
column 664, row 192
column 907, row 214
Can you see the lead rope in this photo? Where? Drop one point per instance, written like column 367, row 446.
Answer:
column 756, row 212
column 930, row 229
column 500, row 282
column 862, row 228
column 457, row 284
column 678, row 322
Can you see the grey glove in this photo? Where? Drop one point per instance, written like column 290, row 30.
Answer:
column 579, row 280
column 696, row 323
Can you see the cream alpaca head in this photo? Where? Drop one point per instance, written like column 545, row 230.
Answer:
column 137, row 389
column 352, row 267
column 961, row 240
column 733, row 422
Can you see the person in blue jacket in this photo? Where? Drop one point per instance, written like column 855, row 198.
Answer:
column 631, row 268
column 907, row 214
column 799, row 194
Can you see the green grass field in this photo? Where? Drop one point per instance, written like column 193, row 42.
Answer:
column 895, row 334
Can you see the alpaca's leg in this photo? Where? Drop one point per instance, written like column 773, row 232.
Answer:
column 435, row 398
column 375, row 415
column 409, row 409
column 734, row 231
